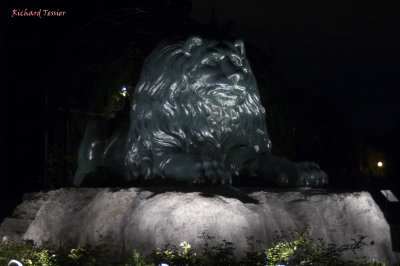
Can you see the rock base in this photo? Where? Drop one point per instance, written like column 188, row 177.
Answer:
column 147, row 219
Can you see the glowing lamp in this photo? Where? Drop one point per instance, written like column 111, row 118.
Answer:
column 380, row 164
column 123, row 91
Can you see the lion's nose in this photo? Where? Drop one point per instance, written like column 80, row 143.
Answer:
column 235, row 78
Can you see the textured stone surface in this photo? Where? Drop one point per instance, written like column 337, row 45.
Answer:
column 145, row 220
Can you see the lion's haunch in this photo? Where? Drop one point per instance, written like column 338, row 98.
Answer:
column 196, row 117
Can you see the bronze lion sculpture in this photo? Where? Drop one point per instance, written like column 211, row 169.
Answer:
column 196, row 117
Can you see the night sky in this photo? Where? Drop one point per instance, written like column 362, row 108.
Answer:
column 347, row 52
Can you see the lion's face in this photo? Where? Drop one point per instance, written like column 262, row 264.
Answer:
column 220, row 76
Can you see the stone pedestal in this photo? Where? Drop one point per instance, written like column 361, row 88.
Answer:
column 146, row 219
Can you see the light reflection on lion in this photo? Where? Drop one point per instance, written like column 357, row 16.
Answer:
column 196, row 117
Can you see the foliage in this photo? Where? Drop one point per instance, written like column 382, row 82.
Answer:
column 295, row 248
column 222, row 254
column 138, row 259
column 172, row 256
column 94, row 90
column 299, row 248
column 30, row 254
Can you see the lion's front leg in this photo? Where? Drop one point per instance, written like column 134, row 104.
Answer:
column 191, row 168
column 282, row 172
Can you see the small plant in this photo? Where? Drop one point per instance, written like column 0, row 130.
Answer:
column 172, row 256
column 138, row 259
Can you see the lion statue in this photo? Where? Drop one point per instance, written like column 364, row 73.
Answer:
column 196, row 117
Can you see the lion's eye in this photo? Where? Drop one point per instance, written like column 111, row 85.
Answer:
column 211, row 61
column 236, row 60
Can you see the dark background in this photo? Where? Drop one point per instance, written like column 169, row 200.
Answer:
column 345, row 50
column 328, row 74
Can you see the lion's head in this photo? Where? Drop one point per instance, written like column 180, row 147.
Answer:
column 195, row 97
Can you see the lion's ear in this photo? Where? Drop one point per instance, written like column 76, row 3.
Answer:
column 239, row 46
column 190, row 43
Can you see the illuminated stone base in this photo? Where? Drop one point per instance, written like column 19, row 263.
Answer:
column 141, row 219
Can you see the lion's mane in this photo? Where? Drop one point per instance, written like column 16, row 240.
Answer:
column 168, row 117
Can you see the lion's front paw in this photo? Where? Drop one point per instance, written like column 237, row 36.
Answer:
column 193, row 169
column 214, row 173
column 310, row 175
